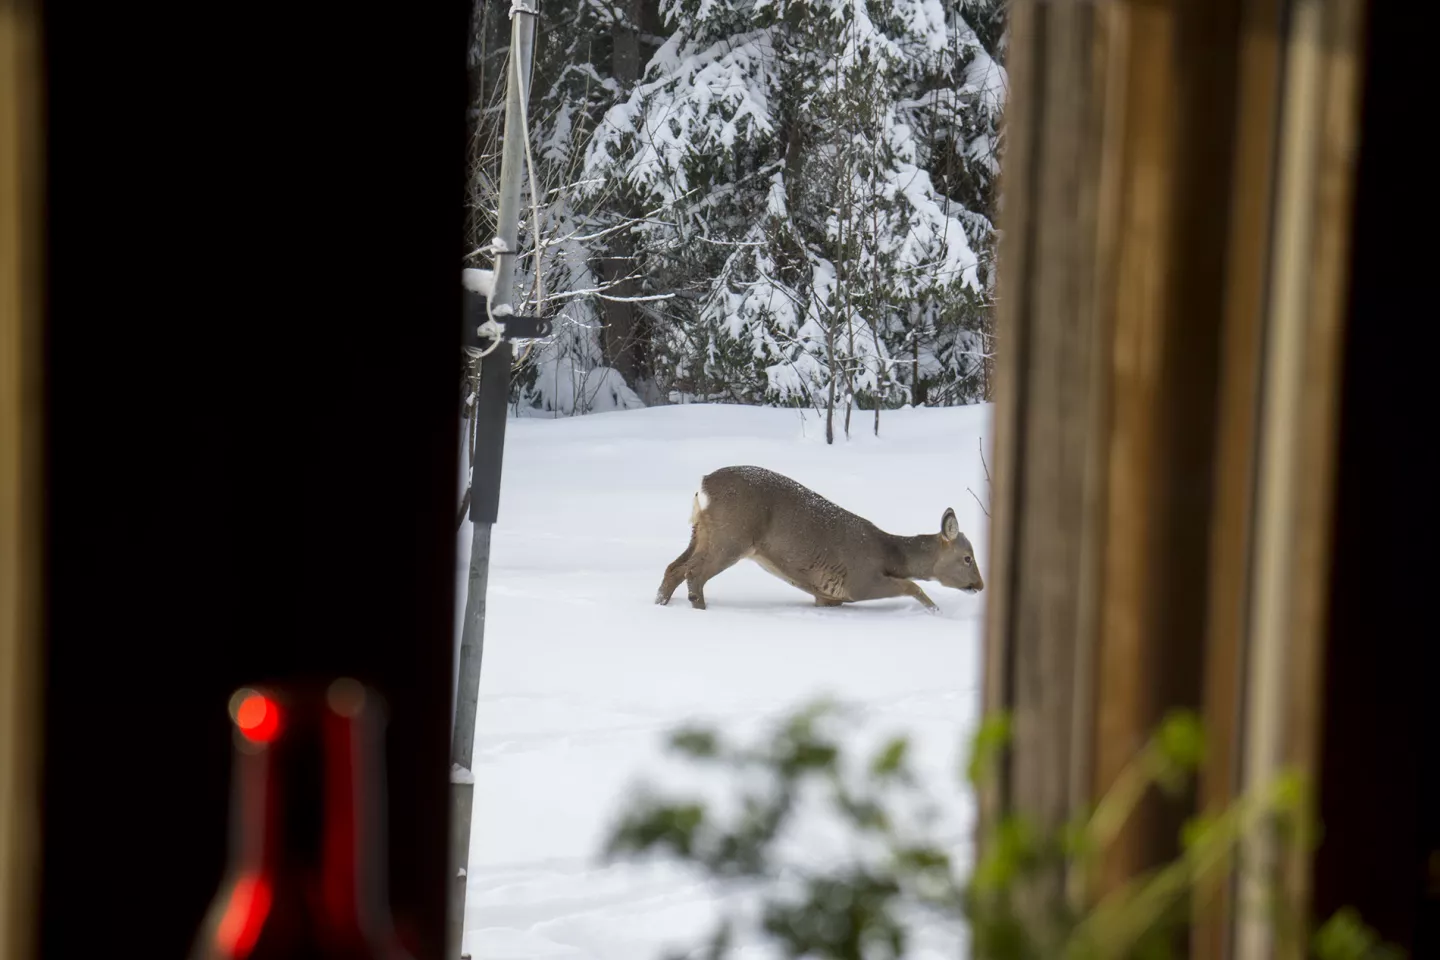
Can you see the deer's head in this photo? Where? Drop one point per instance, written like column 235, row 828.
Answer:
column 956, row 565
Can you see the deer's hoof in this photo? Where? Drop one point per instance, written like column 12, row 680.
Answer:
column 661, row 599
column 697, row 601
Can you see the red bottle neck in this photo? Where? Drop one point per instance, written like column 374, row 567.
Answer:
column 307, row 858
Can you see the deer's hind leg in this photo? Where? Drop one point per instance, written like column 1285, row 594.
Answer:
column 709, row 561
column 676, row 571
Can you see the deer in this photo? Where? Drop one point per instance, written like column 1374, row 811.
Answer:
column 749, row 512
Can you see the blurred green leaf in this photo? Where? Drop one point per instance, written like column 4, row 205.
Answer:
column 651, row 824
column 1182, row 739
column 989, row 742
column 1196, row 830
column 891, row 758
column 1010, row 848
column 1076, row 841
column 866, row 813
column 1290, row 795
column 697, row 742
column 1345, row 937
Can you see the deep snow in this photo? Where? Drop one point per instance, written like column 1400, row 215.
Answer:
column 583, row 674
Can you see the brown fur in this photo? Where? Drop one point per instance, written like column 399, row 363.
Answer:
column 794, row 533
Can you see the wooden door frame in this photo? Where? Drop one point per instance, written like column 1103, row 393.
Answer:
column 21, row 477
column 1172, row 287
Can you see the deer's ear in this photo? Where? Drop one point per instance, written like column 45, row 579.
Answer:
column 949, row 526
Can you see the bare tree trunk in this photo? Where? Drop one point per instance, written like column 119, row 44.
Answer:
column 917, row 391
column 476, row 138
column 849, row 369
column 621, row 322
column 479, row 23
column 844, row 274
column 880, row 373
column 830, row 403
column 875, row 317
column 987, row 355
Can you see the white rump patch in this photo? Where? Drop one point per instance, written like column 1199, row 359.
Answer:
column 699, row 504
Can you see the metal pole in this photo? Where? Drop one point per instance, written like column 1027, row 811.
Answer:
column 490, row 409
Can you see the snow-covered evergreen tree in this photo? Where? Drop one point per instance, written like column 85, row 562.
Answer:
column 795, row 146
column 760, row 201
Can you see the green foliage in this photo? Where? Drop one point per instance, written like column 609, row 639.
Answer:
column 1345, row 937
column 1017, row 901
column 991, row 739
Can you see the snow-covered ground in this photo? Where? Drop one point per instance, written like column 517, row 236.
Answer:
column 583, row 674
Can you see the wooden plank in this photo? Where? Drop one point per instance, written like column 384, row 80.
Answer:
column 1301, row 389
column 1111, row 280
column 1047, row 534
column 1018, row 176
column 1125, row 658
column 1100, row 210
column 1326, row 272
column 1246, row 281
column 1174, row 210
column 1049, row 414
column 20, row 481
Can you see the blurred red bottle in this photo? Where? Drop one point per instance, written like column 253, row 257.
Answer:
column 306, row 876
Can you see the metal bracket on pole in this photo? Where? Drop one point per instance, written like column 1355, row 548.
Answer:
column 489, row 414
column 477, row 312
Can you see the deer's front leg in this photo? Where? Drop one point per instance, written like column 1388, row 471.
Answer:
column 900, row 587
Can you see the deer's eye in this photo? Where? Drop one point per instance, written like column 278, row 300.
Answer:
column 968, row 561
